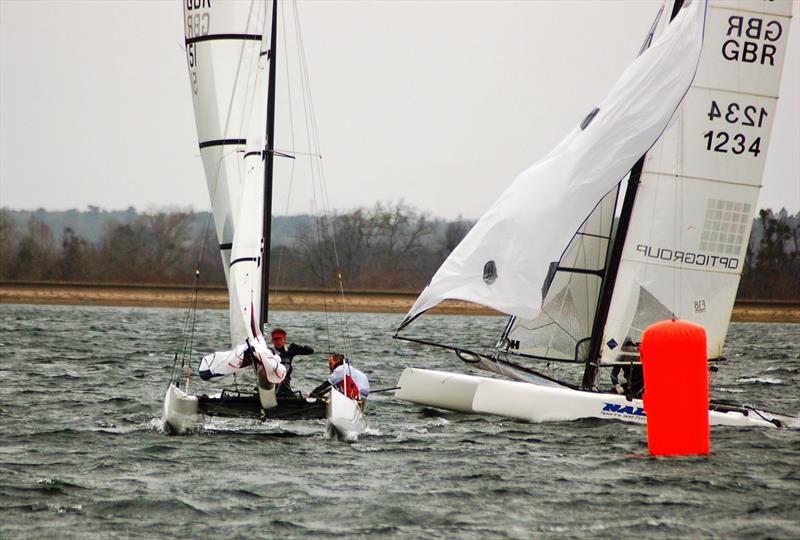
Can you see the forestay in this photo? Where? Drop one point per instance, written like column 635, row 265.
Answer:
column 691, row 221
column 227, row 60
column 503, row 261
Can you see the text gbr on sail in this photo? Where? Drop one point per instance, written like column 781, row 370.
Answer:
column 197, row 4
column 752, row 40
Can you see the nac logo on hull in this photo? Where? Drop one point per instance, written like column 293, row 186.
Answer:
column 623, row 409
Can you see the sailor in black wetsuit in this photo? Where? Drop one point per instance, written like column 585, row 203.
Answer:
column 287, row 354
column 632, row 383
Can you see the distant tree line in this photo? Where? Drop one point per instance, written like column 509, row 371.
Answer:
column 159, row 247
column 772, row 265
column 386, row 247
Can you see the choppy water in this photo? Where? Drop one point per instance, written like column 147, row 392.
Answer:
column 81, row 455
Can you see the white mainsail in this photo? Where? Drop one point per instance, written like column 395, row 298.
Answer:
column 689, row 230
column 503, row 261
column 226, row 46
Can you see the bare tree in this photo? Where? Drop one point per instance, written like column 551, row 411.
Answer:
column 36, row 254
column 8, row 243
column 454, row 233
column 381, row 247
column 75, row 261
column 168, row 241
column 123, row 251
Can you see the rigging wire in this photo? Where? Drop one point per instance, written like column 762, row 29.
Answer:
column 292, row 150
column 184, row 350
column 343, row 318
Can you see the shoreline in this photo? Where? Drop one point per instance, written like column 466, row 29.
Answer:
column 86, row 294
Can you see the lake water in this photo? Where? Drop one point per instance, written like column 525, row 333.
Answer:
column 81, row 454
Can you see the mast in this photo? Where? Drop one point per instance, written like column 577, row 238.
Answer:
column 614, row 259
column 266, row 240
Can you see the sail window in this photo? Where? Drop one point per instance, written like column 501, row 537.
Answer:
column 589, row 118
column 489, row 272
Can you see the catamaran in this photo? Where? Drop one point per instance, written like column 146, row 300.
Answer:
column 688, row 125
column 231, row 51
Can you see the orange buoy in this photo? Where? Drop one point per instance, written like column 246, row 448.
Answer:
column 676, row 388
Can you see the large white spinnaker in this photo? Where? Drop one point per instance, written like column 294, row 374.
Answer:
column 503, row 261
column 562, row 331
column 563, row 328
column 690, row 225
column 223, row 52
column 226, row 53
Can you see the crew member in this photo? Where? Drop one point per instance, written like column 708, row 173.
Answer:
column 347, row 379
column 632, row 384
column 287, row 354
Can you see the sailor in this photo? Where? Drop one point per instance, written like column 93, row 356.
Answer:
column 287, row 354
column 632, row 385
column 347, row 379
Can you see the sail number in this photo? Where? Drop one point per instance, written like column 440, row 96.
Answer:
column 197, row 24
column 191, row 56
column 722, row 141
column 735, row 114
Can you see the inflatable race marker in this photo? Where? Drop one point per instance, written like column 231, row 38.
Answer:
column 676, row 388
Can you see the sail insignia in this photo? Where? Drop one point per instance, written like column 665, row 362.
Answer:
column 589, row 117
column 489, row 272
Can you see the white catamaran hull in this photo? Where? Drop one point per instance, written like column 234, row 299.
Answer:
column 345, row 417
column 180, row 411
column 537, row 403
column 451, row 391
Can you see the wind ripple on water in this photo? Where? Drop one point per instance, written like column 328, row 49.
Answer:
column 82, row 453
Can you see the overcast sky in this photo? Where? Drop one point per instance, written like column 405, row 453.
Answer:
column 440, row 104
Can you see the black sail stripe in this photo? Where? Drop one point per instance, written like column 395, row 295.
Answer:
column 222, row 142
column 214, row 37
column 223, row 247
column 260, row 153
column 244, row 259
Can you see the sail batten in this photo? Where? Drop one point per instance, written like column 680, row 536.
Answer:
column 213, row 37
column 222, row 142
